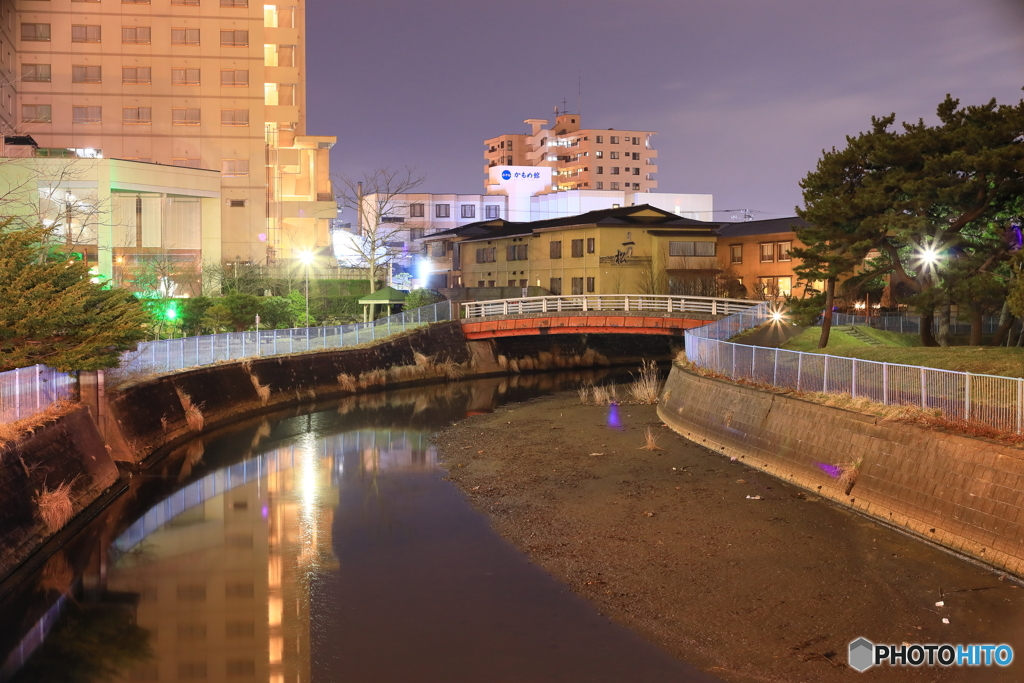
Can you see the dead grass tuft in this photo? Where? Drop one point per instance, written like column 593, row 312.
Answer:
column 604, row 395
column 55, row 505
column 503, row 362
column 193, row 413
column 421, row 360
column 848, row 472
column 373, row 378
column 645, row 387
column 584, row 393
column 450, row 369
column 13, row 431
column 262, row 390
column 347, row 382
column 650, row 441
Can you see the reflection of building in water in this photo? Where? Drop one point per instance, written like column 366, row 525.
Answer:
column 224, row 568
column 382, row 450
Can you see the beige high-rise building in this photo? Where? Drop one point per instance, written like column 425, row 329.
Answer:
column 200, row 84
column 581, row 159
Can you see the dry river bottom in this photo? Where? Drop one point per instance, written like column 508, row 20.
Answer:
column 729, row 569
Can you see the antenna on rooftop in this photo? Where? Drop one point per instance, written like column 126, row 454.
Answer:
column 744, row 214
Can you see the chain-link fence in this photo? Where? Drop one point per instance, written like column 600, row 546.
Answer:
column 911, row 324
column 169, row 355
column 962, row 397
column 26, row 391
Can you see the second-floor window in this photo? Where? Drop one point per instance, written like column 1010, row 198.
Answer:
column 468, row 211
column 86, row 115
column 492, row 210
column 86, row 74
column 768, row 252
column 486, row 254
column 85, row 34
column 783, row 251
column 416, row 210
column 39, row 73
column 516, row 252
column 184, row 36
column 137, row 35
column 577, row 249
column 442, row 210
column 439, row 250
column 35, row 113
column 35, row 32
column 556, row 249
column 736, row 253
column 591, row 245
column 136, row 74
column 691, row 248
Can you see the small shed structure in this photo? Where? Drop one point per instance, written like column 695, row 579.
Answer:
column 388, row 296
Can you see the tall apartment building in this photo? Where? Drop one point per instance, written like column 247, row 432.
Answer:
column 197, row 84
column 580, row 159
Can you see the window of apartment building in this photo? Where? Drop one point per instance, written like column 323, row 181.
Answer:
column 234, row 3
column 39, row 73
column 516, row 252
column 599, row 185
column 184, row 36
column 442, row 210
column 736, row 253
column 691, row 248
column 187, row 162
column 85, row 34
column 416, row 234
column 135, row 2
column 492, row 211
column 468, row 211
column 636, row 155
column 86, row 115
column 599, row 154
column 577, row 248
column 599, row 139
column 35, row 32
column 613, row 155
column 184, row 117
column 614, row 139
column 636, row 186
column 615, row 170
column 591, row 245
column 184, row 2
column 577, row 285
column 556, row 285
column 439, row 249
column 776, row 286
column 555, row 249
column 185, row 76
column 591, row 285
column 234, row 117
column 234, row 167
column 234, row 38
column 486, row 254
column 35, row 113
column 767, row 252
column 636, row 141
column 600, row 170
column 234, row 77
column 783, row 251
column 614, row 186
column 636, row 171
column 416, row 210
column 137, row 114
column 136, row 74
column 136, row 35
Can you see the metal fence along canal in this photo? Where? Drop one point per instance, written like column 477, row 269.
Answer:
column 26, row 391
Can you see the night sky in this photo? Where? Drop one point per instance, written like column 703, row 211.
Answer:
column 744, row 94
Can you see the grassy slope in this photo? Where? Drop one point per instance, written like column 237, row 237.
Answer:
column 903, row 348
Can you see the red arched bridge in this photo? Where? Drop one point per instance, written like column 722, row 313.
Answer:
column 594, row 313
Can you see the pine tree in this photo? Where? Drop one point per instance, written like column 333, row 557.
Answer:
column 51, row 312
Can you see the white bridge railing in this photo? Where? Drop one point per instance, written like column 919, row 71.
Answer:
column 606, row 302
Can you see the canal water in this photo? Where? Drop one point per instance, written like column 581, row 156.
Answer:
column 324, row 544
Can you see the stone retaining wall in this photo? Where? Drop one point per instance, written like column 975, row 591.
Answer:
column 963, row 493
column 69, row 449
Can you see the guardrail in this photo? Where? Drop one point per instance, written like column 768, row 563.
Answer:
column 26, row 391
column 964, row 397
column 605, row 302
column 169, row 355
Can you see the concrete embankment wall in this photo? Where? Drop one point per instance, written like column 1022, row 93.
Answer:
column 963, row 493
column 67, row 450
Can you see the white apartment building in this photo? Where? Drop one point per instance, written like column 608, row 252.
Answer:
column 580, row 159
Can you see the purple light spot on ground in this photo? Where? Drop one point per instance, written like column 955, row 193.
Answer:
column 613, row 417
column 831, row 470
column 266, row 512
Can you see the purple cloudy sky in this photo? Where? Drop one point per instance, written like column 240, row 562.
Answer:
column 744, row 94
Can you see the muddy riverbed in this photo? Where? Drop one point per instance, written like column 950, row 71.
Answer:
column 727, row 568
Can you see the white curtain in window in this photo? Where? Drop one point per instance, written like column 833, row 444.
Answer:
column 151, row 221
column 183, row 223
column 124, row 219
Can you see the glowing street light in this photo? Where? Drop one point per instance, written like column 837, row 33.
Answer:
column 306, row 258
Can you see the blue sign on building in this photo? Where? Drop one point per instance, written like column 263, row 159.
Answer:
column 506, row 175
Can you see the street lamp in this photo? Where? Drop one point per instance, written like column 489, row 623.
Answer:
column 306, row 258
